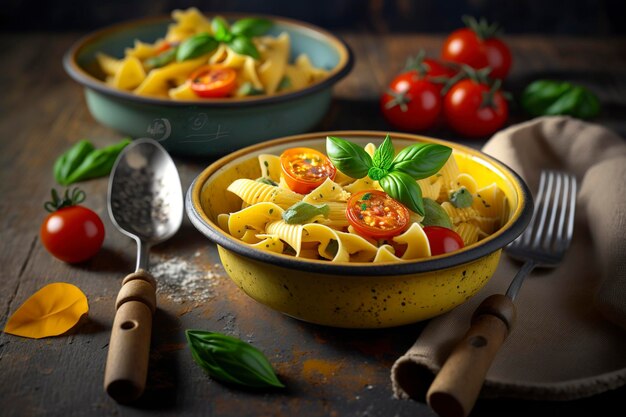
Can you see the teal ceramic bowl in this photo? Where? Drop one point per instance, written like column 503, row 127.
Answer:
column 218, row 126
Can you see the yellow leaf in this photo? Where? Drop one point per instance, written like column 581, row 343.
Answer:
column 51, row 311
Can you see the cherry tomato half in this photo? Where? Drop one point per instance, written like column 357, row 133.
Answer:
column 305, row 169
column 442, row 240
column 72, row 234
column 374, row 214
column 411, row 103
column 467, row 112
column 464, row 46
column 213, row 81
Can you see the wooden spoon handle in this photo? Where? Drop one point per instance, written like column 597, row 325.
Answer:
column 129, row 348
column 455, row 389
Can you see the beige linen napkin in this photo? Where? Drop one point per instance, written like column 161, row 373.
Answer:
column 569, row 340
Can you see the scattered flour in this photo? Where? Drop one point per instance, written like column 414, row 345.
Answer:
column 182, row 280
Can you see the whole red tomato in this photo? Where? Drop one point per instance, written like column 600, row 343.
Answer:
column 478, row 47
column 474, row 109
column 72, row 233
column 442, row 240
column 411, row 102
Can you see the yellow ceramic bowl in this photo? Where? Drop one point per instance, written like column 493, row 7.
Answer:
column 354, row 295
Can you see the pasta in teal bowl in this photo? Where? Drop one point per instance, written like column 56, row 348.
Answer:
column 209, row 85
column 304, row 254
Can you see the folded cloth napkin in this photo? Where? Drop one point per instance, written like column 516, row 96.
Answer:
column 569, row 340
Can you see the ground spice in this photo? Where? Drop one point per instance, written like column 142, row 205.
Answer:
column 185, row 280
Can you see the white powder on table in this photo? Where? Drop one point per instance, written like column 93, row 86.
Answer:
column 182, row 280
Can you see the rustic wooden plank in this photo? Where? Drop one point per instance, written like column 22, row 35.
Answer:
column 327, row 371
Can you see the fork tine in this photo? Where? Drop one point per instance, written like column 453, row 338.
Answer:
column 570, row 219
column 564, row 203
column 544, row 203
column 554, row 202
column 527, row 235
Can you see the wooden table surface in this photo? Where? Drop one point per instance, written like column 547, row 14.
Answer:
column 328, row 372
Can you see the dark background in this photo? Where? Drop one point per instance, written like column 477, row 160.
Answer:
column 597, row 18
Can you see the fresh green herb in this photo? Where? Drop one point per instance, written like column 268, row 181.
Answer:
column 162, row 59
column 332, row 248
column 285, row 83
column 302, row 212
column 383, row 157
column 461, row 198
column 548, row 97
column 251, row 27
column 83, row 161
column 435, row 215
column 238, row 38
column 265, row 180
column 366, row 196
column 231, row 360
column 397, row 176
column 244, row 46
column 363, row 207
column 405, row 189
column 247, row 89
column 348, row 157
column 197, row 45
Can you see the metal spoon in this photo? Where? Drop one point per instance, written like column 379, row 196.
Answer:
column 145, row 203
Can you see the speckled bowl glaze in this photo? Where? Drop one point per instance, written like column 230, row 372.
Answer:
column 207, row 127
column 354, row 295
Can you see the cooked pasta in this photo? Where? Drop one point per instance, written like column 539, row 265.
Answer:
column 155, row 69
column 326, row 232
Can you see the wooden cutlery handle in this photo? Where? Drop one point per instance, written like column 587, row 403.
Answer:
column 455, row 389
column 129, row 348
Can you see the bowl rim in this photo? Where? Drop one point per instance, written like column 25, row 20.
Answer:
column 76, row 72
column 496, row 241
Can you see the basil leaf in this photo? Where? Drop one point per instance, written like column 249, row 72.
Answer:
column 348, row 157
column 197, row 45
column 302, row 212
column 405, row 189
column 70, row 160
column 83, row 161
column 244, row 46
column 461, row 198
column 421, row 160
column 220, row 29
column 383, row 157
column 231, row 360
column 285, row 82
column 162, row 59
column 435, row 215
column 98, row 163
column 548, row 97
column 251, row 27
column 268, row 181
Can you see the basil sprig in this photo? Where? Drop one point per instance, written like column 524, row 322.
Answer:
column 83, row 161
column 435, row 215
column 548, row 97
column 397, row 174
column 231, row 360
column 302, row 212
column 461, row 198
column 238, row 37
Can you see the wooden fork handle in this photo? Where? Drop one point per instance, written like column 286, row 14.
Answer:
column 455, row 389
column 129, row 349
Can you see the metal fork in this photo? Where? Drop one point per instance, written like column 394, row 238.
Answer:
column 455, row 389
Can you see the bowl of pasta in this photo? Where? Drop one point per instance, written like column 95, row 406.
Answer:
column 357, row 229
column 208, row 85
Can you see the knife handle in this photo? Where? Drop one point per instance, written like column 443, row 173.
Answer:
column 129, row 349
column 455, row 389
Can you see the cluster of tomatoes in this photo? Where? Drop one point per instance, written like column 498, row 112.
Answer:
column 462, row 88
